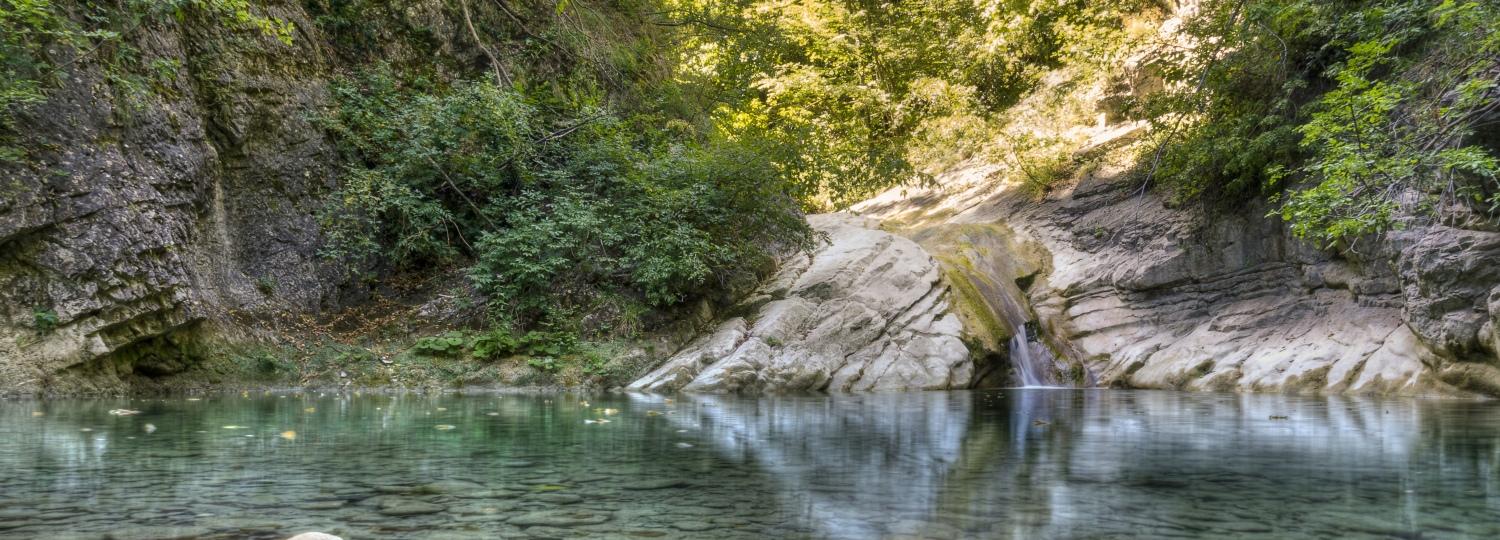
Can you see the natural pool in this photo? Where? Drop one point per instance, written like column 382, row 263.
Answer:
column 982, row 464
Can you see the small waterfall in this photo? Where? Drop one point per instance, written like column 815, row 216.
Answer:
column 1032, row 360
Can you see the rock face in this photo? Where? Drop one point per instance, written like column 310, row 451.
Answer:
column 1144, row 295
column 146, row 221
column 142, row 217
column 867, row 311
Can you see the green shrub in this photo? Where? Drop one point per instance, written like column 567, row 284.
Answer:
column 544, row 363
column 1352, row 116
column 550, row 221
column 44, row 320
column 449, row 344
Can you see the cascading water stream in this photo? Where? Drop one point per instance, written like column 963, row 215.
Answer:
column 1032, row 360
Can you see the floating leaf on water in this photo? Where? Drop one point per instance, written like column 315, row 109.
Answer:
column 444, row 427
column 123, row 412
column 610, row 412
column 289, row 435
column 653, row 413
column 150, row 428
column 245, row 393
column 38, row 413
column 310, row 410
column 549, row 487
column 584, row 403
column 442, row 409
column 668, row 401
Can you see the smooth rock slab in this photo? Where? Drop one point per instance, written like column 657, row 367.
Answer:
column 558, row 498
column 451, row 487
column 665, row 483
column 489, row 494
column 560, row 518
column 314, row 536
column 692, row 526
column 867, row 311
column 410, row 508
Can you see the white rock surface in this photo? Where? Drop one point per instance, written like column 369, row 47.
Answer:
column 1147, row 295
column 867, row 311
column 315, row 536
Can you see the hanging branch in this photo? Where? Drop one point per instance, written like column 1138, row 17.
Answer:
column 502, row 77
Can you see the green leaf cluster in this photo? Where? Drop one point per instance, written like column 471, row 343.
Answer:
column 551, row 209
column 1353, row 117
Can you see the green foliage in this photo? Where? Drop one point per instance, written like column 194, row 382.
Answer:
column 836, row 92
column 1384, row 139
column 545, row 363
column 551, row 211
column 44, row 320
column 1366, row 113
column 449, row 344
column 265, row 285
column 495, row 344
column 1036, row 162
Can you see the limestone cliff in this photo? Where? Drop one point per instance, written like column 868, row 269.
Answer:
column 865, row 311
column 1147, row 295
column 151, row 218
column 145, row 217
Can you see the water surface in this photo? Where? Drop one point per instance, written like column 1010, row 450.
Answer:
column 984, row 464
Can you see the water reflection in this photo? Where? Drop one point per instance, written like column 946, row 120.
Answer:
column 993, row 464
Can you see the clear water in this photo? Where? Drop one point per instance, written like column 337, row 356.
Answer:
column 991, row 464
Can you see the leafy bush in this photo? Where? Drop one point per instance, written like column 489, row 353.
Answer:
column 44, row 320
column 549, row 220
column 1365, row 113
column 449, row 344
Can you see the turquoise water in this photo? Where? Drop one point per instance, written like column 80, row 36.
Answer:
column 984, row 464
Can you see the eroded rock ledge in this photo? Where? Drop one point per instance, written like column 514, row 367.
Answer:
column 867, row 311
column 1147, row 295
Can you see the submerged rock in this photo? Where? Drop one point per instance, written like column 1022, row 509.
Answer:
column 410, row 508
column 560, row 518
column 665, row 483
column 558, row 498
column 865, row 311
column 314, row 536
